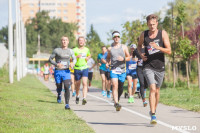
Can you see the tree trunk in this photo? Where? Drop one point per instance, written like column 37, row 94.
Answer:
column 174, row 74
column 187, row 73
column 198, row 67
column 189, row 66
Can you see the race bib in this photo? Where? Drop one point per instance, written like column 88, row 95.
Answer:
column 140, row 62
column 132, row 66
column 64, row 63
column 152, row 50
column 117, row 71
column 83, row 55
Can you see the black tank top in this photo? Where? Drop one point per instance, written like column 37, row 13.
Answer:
column 155, row 58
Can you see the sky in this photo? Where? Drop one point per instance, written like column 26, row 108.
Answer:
column 105, row 15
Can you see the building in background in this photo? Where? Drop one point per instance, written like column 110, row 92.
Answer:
column 67, row 10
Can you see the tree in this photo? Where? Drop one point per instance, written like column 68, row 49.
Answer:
column 4, row 35
column 94, row 42
column 186, row 50
column 131, row 31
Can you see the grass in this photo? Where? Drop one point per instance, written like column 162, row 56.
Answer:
column 180, row 96
column 28, row 106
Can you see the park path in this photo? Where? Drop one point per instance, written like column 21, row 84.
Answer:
column 100, row 114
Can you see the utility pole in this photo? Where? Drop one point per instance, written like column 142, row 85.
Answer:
column 17, row 39
column 38, row 49
column 10, row 41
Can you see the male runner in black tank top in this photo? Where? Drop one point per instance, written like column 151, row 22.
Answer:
column 156, row 43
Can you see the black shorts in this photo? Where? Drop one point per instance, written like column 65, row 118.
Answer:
column 102, row 71
column 90, row 75
column 107, row 74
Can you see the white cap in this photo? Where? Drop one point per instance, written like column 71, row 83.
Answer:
column 133, row 46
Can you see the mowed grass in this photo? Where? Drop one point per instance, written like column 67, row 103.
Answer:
column 180, row 96
column 28, row 106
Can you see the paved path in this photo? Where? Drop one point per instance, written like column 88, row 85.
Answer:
column 100, row 114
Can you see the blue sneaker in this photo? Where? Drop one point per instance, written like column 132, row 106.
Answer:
column 59, row 99
column 74, row 94
column 67, row 106
column 153, row 119
column 104, row 93
column 108, row 94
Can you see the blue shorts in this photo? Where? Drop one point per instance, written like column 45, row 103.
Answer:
column 120, row 77
column 80, row 73
column 132, row 74
column 62, row 75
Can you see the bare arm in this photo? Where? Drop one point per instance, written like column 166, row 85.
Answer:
column 108, row 57
column 127, row 55
column 167, row 48
column 140, row 43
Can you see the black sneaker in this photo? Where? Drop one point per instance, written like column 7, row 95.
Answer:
column 84, row 102
column 117, row 106
column 77, row 100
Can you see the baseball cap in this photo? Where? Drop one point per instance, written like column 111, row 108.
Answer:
column 133, row 46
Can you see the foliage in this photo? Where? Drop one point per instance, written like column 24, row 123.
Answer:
column 4, row 35
column 185, row 49
column 94, row 42
column 132, row 31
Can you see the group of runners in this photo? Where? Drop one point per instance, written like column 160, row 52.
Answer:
column 144, row 61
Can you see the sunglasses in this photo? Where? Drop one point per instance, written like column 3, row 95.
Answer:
column 116, row 37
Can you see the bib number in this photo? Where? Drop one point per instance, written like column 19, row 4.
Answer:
column 132, row 66
column 117, row 71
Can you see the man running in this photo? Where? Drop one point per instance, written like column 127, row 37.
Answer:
column 62, row 73
column 117, row 54
column 82, row 54
column 131, row 74
column 91, row 64
column 104, row 72
column 156, row 43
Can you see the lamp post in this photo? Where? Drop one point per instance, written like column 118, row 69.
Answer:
column 10, row 41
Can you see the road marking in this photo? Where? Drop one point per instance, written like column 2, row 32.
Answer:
column 136, row 113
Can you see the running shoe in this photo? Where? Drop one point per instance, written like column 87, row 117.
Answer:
column 108, row 94
column 104, row 93
column 144, row 103
column 77, row 100
column 130, row 99
column 59, row 99
column 117, row 106
column 84, row 101
column 153, row 119
column 67, row 106
column 74, row 94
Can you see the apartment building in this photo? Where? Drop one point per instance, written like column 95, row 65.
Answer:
column 66, row 10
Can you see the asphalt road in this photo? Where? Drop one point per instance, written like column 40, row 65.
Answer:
column 99, row 113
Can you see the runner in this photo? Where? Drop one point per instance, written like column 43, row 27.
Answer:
column 156, row 43
column 82, row 54
column 117, row 54
column 91, row 64
column 142, row 80
column 62, row 73
column 104, row 72
column 46, row 72
column 131, row 74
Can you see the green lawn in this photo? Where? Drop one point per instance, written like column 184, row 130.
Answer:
column 28, row 106
column 180, row 96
